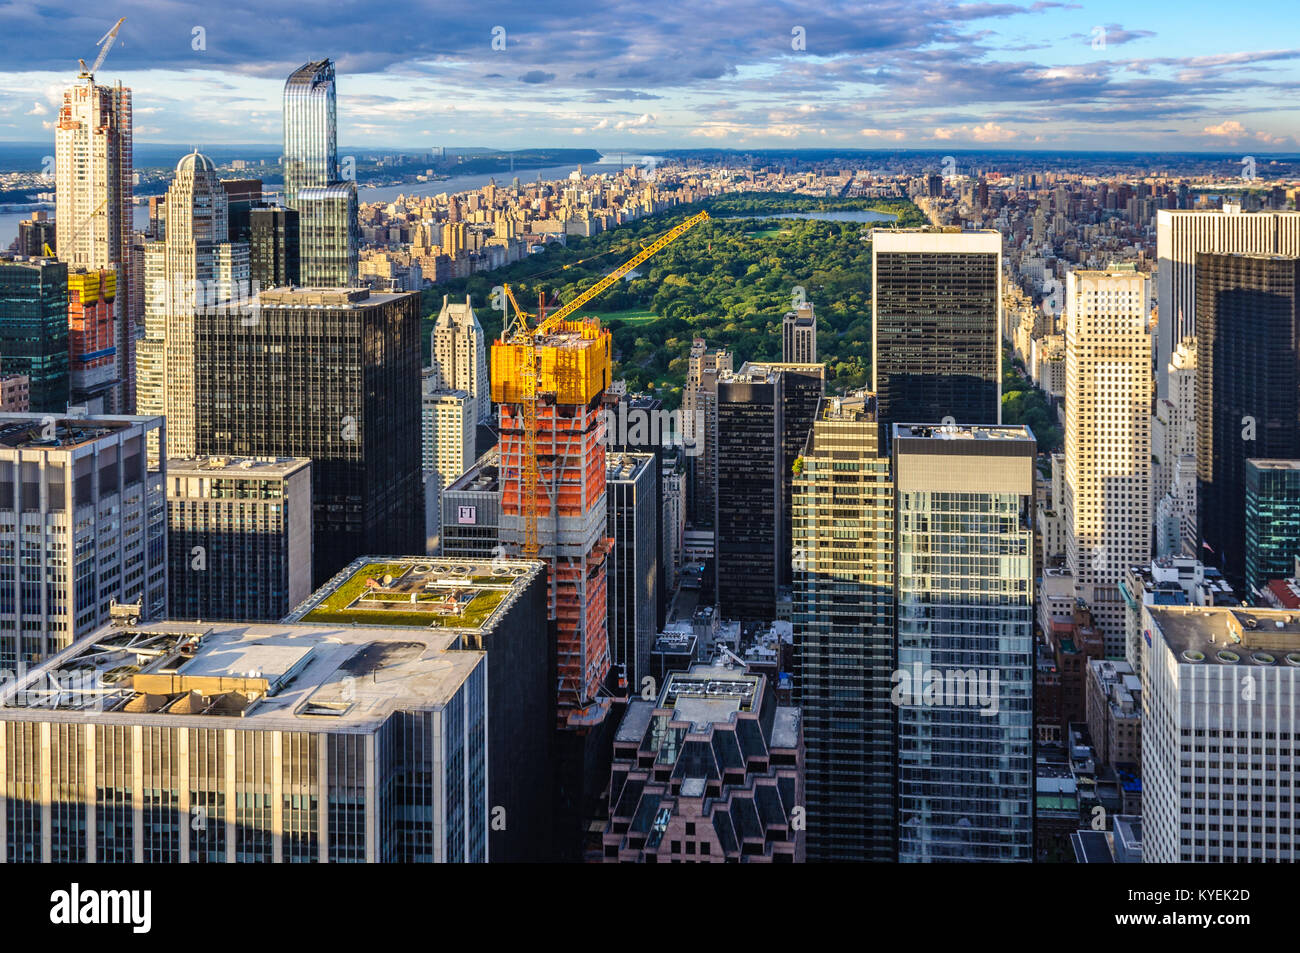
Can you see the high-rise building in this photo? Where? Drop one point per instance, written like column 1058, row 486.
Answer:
column 964, row 583
column 799, row 335
column 632, row 577
column 496, row 606
column 936, row 318
column 1219, row 690
column 448, row 425
column 242, row 196
column 34, row 329
column 311, row 158
column 1181, row 236
column 738, row 780
column 238, row 537
column 1176, row 518
column 749, row 514
column 94, row 185
column 274, row 247
column 82, row 526
column 844, row 631
column 700, row 426
column 35, row 234
column 92, row 337
column 1272, row 522
column 193, row 268
column 471, row 511
column 1247, row 388
column 327, row 235
column 459, row 356
column 333, row 375
column 249, row 743
column 1107, row 487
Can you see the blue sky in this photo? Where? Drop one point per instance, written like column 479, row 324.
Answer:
column 643, row 75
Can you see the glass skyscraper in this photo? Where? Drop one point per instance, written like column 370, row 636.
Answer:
column 311, row 157
column 1272, row 520
column 964, row 686
column 327, row 236
column 34, row 328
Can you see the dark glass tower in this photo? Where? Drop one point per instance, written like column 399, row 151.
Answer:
column 1247, row 387
column 273, row 247
column 1272, row 521
column 335, row 376
column 936, row 298
column 34, row 329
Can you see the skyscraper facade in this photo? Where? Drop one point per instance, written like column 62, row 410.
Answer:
column 1107, row 487
column 34, row 329
column 311, row 157
column 273, row 255
column 1247, row 389
column 333, row 375
column 799, row 335
column 94, row 180
column 844, row 631
column 458, row 356
column 936, row 318
column 92, row 337
column 327, row 235
column 700, row 426
column 633, row 576
column 1272, row 521
column 965, row 640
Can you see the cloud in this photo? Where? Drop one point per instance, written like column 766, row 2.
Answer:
column 1228, row 129
column 536, row 76
column 38, row 109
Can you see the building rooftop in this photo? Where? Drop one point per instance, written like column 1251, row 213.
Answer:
column 858, row 407
column 419, row 592
column 264, row 467
column 1230, row 635
column 29, row 431
column 267, row 676
column 709, row 694
column 483, row 476
column 1275, row 464
column 334, row 298
column 962, row 432
column 626, row 467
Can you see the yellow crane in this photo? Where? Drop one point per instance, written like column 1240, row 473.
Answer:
column 517, row 331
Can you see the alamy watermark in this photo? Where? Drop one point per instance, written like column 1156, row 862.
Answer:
column 642, row 427
column 946, row 688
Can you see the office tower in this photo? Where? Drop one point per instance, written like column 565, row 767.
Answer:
column 274, row 247
column 328, row 235
column 965, row 600
column 15, row 393
column 34, row 328
column 1107, row 491
column 633, row 571
column 471, row 511
column 1272, row 521
column 238, row 537
column 802, row 387
column 844, row 631
column 80, row 510
column 799, row 335
column 497, row 607
column 1181, row 236
column 1175, row 515
column 749, row 515
column 1247, row 388
column 936, row 316
column 92, row 337
column 192, row 269
column 333, row 375
column 636, row 423
column 35, row 235
column 242, row 195
column 94, row 182
column 447, row 422
column 1219, row 689
column 738, row 778
column 673, row 526
column 311, row 157
column 250, row 743
column 458, row 355
column 700, row 425
column 562, row 500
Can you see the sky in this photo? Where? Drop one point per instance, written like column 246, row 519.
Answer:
column 647, row 75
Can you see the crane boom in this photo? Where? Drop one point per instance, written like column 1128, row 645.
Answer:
column 105, row 44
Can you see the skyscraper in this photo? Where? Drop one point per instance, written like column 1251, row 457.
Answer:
column 799, row 335
column 193, row 268
column 333, row 375
column 82, row 525
column 34, row 328
column 311, row 157
column 273, row 255
column 94, row 184
column 844, row 631
column 1181, row 236
column 327, row 235
column 965, row 602
column 633, row 575
column 458, row 356
column 447, row 422
column 1247, row 388
column 1272, row 521
column 238, row 537
column 1107, row 487
column 92, row 337
column 936, row 318
column 700, row 426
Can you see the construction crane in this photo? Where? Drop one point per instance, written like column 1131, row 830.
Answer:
column 518, row 331
column 105, row 43
column 77, row 229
